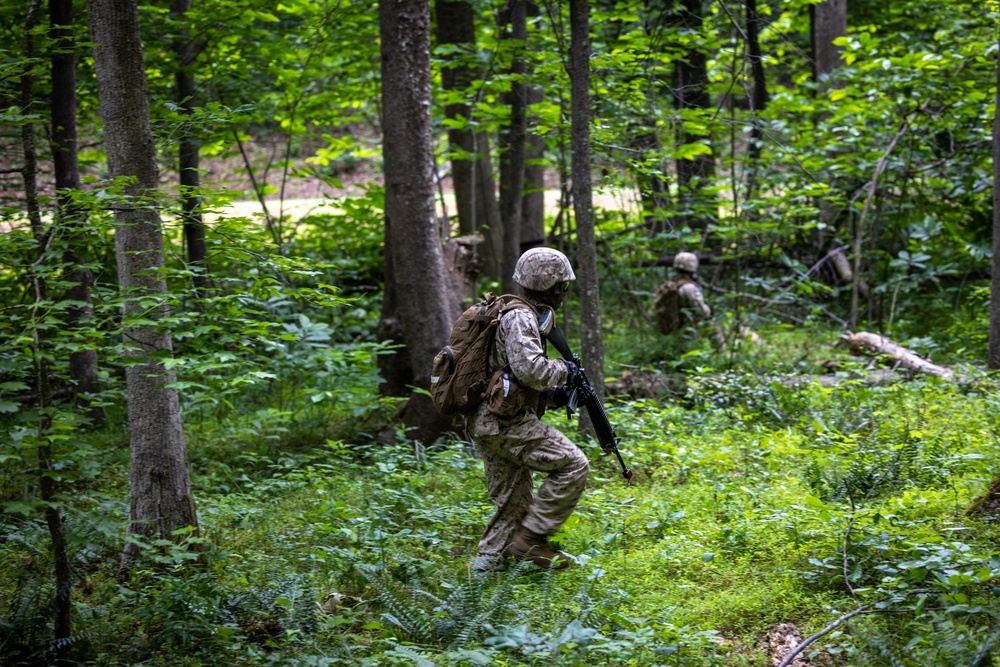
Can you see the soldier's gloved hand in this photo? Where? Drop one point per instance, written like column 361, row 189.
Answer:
column 572, row 374
column 560, row 396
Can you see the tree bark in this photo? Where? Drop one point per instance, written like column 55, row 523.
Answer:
column 649, row 170
column 187, row 156
column 993, row 357
column 512, row 146
column 758, row 93
column 396, row 368
column 691, row 83
column 533, row 201
column 420, row 288
column 82, row 363
column 472, row 177
column 876, row 345
column 62, row 606
column 828, row 21
column 591, row 343
column 161, row 498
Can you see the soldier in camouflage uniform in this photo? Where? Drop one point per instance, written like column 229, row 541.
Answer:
column 691, row 297
column 512, row 448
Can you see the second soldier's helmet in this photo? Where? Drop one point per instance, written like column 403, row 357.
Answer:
column 539, row 269
column 686, row 261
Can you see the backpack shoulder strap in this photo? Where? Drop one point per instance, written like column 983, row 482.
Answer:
column 513, row 301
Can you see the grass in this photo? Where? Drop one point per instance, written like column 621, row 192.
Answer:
column 737, row 523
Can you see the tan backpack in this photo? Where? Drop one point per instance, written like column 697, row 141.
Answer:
column 460, row 371
column 667, row 307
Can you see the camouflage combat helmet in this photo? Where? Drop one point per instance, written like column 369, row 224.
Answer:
column 686, row 261
column 539, row 269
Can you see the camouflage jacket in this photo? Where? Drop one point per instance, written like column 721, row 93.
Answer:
column 690, row 296
column 519, row 346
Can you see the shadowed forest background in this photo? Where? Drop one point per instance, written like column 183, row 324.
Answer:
column 233, row 235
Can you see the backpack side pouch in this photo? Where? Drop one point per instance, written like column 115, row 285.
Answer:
column 505, row 397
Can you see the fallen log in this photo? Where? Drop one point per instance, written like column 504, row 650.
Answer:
column 641, row 384
column 876, row 345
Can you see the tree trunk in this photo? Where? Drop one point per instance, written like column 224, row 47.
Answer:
column 472, row 177
column 993, row 358
column 691, row 84
column 419, row 282
column 512, row 146
column 396, row 368
column 648, row 167
column 591, row 343
column 162, row 501
column 187, row 162
column 877, row 345
column 82, row 363
column 828, row 21
column 61, row 606
column 533, row 202
column 758, row 94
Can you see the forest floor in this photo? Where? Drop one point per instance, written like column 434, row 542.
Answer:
column 755, row 505
column 298, row 208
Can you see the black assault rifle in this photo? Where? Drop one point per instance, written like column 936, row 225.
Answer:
column 602, row 426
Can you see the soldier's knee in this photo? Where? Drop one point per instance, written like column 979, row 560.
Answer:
column 579, row 465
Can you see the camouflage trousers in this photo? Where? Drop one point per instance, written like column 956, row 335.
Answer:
column 512, row 449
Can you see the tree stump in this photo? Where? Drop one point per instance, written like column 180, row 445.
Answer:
column 463, row 266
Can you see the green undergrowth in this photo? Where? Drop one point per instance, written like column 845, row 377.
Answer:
column 348, row 554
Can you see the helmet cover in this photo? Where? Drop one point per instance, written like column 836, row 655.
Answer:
column 686, row 261
column 540, row 269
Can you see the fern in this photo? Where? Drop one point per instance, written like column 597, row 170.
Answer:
column 25, row 625
column 290, row 601
column 401, row 608
column 452, row 622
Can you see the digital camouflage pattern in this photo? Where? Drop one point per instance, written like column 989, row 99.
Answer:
column 541, row 268
column 680, row 303
column 512, row 449
column 691, row 298
column 686, row 261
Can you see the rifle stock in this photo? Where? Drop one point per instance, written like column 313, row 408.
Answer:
column 598, row 417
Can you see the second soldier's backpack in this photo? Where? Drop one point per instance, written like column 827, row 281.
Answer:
column 667, row 307
column 460, row 371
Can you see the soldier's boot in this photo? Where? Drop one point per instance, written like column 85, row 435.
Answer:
column 483, row 564
column 536, row 548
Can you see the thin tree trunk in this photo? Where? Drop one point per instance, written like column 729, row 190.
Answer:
column 47, row 475
column 82, row 363
column 993, row 358
column 694, row 174
column 472, row 177
column 161, row 497
column 62, row 607
column 872, row 186
column 512, row 145
column 758, row 95
column 187, row 156
column 648, row 167
column 828, row 21
column 533, row 201
column 420, row 286
column 591, row 342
